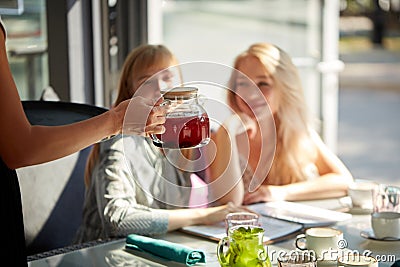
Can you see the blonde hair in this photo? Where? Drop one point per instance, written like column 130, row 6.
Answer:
column 137, row 63
column 291, row 118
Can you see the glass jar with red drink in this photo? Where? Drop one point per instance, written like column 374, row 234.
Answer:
column 187, row 124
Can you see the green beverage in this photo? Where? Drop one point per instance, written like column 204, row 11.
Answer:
column 245, row 248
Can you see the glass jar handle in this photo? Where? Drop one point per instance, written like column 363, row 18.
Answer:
column 301, row 242
column 220, row 251
column 201, row 99
column 262, row 254
column 153, row 136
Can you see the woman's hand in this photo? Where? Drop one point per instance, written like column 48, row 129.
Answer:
column 264, row 193
column 217, row 214
column 179, row 218
column 139, row 116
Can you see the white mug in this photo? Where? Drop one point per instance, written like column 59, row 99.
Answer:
column 360, row 193
column 324, row 241
column 386, row 224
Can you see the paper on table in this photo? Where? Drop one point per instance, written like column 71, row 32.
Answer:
column 275, row 229
column 307, row 215
column 279, row 219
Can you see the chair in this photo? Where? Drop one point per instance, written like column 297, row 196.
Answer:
column 53, row 192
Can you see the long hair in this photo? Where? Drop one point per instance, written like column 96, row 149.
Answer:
column 137, row 63
column 291, row 118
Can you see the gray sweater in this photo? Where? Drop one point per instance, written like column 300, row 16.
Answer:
column 132, row 184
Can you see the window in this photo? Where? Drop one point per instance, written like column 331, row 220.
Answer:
column 219, row 30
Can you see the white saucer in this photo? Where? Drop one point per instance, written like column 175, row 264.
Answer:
column 346, row 203
column 369, row 234
column 356, row 211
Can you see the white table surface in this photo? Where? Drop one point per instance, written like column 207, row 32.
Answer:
column 113, row 254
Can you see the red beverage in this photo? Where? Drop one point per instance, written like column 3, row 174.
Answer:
column 184, row 132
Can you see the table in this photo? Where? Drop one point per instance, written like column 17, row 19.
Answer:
column 113, row 253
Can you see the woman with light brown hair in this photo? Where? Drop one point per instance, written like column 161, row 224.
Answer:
column 275, row 152
column 132, row 186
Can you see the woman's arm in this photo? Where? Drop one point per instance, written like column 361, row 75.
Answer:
column 333, row 180
column 334, row 175
column 326, row 186
column 23, row 144
column 184, row 217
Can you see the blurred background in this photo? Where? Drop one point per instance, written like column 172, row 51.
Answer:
column 369, row 89
column 347, row 51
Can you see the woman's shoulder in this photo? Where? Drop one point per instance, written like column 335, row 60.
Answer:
column 132, row 150
column 125, row 143
column 316, row 138
column 123, row 149
column 121, row 139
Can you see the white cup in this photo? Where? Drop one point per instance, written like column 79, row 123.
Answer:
column 324, row 241
column 357, row 260
column 386, row 224
column 361, row 192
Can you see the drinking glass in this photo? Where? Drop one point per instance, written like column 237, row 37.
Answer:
column 386, row 198
column 241, row 218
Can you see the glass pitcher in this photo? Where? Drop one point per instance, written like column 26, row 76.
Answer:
column 245, row 247
column 187, row 124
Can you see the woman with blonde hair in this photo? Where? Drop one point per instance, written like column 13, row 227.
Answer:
column 132, row 187
column 274, row 148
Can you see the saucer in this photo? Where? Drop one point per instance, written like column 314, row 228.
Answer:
column 346, row 203
column 369, row 234
column 327, row 263
column 355, row 211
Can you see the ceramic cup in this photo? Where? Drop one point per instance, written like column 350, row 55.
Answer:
column 386, row 224
column 385, row 219
column 324, row 241
column 357, row 260
column 360, row 193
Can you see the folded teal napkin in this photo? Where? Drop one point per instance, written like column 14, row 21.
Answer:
column 165, row 249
